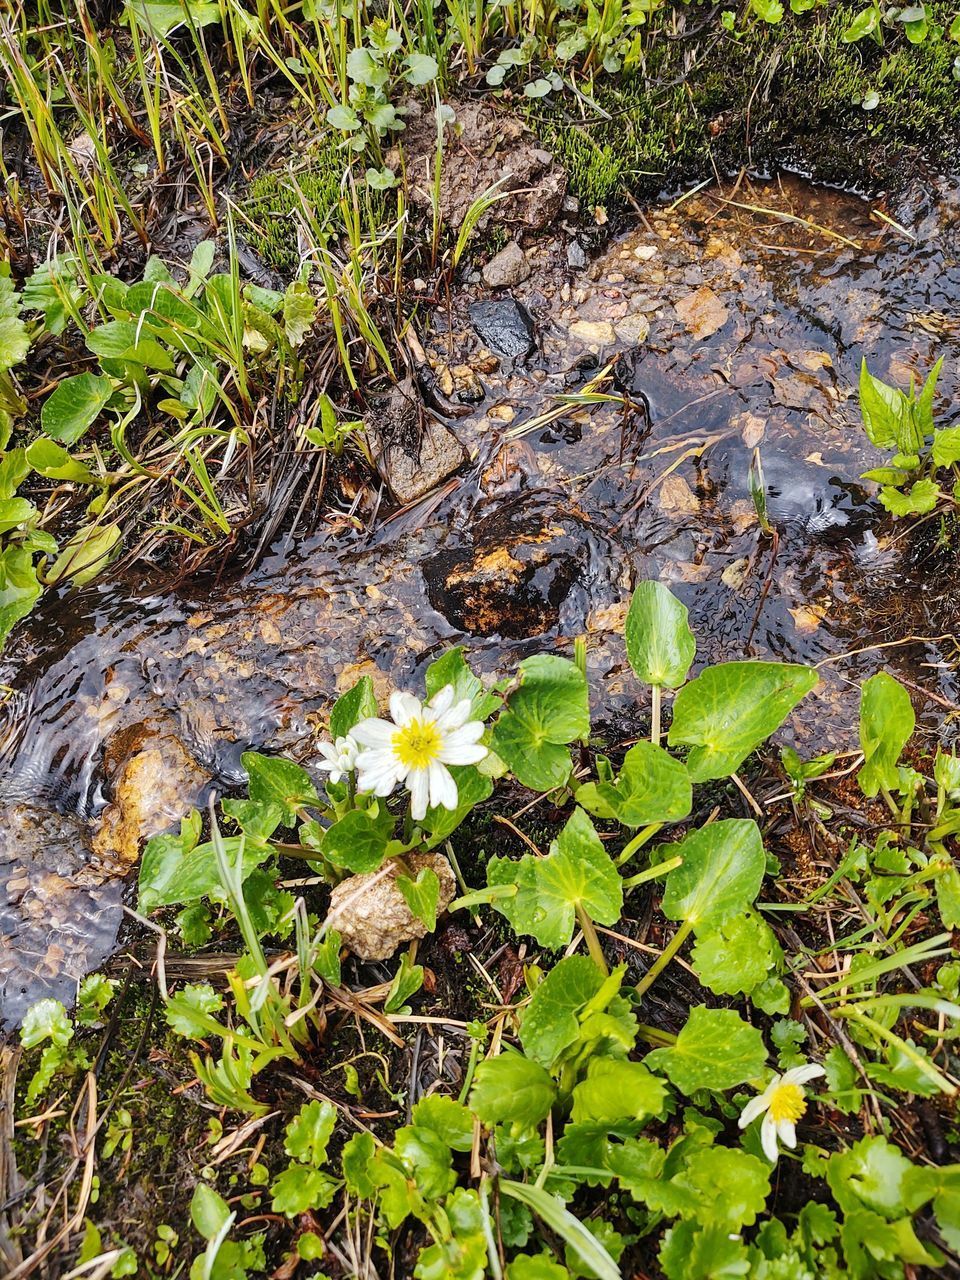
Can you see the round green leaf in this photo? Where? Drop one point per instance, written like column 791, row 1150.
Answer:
column 721, row 872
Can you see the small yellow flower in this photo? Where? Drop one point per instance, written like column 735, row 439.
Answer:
column 781, row 1104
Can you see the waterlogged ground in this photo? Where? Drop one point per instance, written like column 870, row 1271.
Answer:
column 733, row 329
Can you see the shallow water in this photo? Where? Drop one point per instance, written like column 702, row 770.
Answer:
column 543, row 535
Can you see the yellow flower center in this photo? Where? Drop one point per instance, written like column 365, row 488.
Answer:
column 787, row 1103
column 416, row 744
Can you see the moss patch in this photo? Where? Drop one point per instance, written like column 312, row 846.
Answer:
column 305, row 193
column 785, row 95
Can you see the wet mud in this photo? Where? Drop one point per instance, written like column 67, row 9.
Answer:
column 614, row 446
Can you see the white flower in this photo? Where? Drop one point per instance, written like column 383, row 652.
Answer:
column 417, row 747
column 784, row 1102
column 339, row 758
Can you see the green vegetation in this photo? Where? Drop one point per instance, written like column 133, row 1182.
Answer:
column 595, row 1099
column 581, row 1133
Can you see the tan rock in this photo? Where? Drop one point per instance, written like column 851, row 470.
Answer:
column 677, row 497
column 594, row 333
column 371, row 914
column 702, row 312
column 156, row 785
column 633, row 329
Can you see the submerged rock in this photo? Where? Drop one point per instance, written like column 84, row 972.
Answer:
column 504, row 325
column 157, row 782
column 58, row 918
column 371, row 914
column 508, row 268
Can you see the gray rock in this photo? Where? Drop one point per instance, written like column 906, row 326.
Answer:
column 508, row 268
column 576, row 258
column 504, row 325
column 413, row 452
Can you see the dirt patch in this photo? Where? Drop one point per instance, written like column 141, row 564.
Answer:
column 485, row 149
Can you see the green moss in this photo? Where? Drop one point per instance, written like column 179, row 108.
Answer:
column 786, row 94
column 302, row 193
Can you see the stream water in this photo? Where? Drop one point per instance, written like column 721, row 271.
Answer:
column 759, row 305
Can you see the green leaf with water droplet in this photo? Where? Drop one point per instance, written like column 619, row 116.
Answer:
column 715, row 1050
column 730, row 709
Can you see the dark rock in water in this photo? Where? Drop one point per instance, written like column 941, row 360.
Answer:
column 504, row 325
column 528, row 568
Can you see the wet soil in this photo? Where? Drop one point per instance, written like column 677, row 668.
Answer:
column 757, row 305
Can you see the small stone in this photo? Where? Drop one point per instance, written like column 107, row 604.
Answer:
column 445, row 381
column 633, row 329
column 507, row 269
column 371, row 914
column 594, row 333
column 645, row 252
column 504, row 325
column 616, row 277
column 702, row 312
column 677, row 497
column 576, row 258
column 502, row 413
column 467, row 385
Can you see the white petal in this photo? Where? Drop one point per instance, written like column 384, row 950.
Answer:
column 374, row 732
column 768, row 1138
column 800, row 1075
column 456, row 716
column 787, row 1132
column 755, row 1107
column 441, row 702
column 418, row 780
column 467, row 754
column 404, row 707
column 443, row 789
column 471, row 732
column 331, row 757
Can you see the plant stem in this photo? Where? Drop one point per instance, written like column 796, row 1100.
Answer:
column 671, row 949
column 655, row 715
column 651, row 873
column 592, row 941
column 638, row 841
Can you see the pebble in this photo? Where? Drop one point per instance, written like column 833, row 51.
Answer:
column 508, row 268
column 633, row 329
column 599, row 333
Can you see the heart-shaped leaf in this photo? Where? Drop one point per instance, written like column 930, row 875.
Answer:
column 721, row 873
column 548, row 710
column 715, row 1050
column 730, row 709
column 276, row 780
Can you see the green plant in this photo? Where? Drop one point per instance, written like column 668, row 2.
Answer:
column 922, row 473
